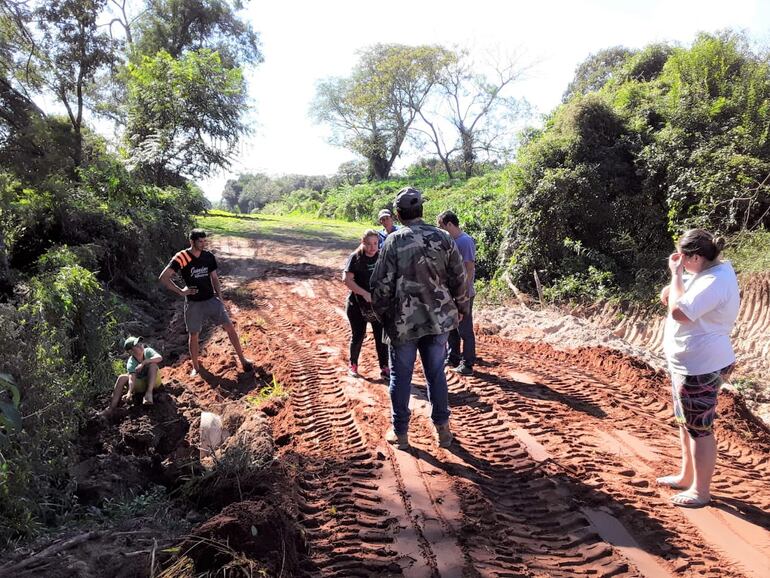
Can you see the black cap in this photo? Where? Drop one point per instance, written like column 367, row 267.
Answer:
column 407, row 198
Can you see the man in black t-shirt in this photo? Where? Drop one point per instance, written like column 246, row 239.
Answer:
column 202, row 293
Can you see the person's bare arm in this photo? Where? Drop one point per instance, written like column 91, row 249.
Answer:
column 664, row 295
column 470, row 270
column 215, row 284
column 676, row 288
column 166, row 278
column 156, row 359
column 350, row 283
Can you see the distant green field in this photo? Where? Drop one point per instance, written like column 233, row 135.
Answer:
column 282, row 227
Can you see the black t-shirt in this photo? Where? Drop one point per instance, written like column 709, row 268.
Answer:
column 195, row 271
column 361, row 266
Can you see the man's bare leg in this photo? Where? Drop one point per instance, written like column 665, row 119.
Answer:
column 233, row 335
column 192, row 341
column 152, row 375
column 117, row 393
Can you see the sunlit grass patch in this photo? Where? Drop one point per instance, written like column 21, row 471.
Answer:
column 271, row 391
column 280, row 226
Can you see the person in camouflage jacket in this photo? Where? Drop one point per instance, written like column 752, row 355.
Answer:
column 419, row 291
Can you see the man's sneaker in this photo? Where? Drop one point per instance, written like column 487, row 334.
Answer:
column 401, row 441
column 385, row 373
column 463, row 369
column 451, row 363
column 353, row 370
column 445, row 435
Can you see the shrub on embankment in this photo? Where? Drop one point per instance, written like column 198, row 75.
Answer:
column 69, row 248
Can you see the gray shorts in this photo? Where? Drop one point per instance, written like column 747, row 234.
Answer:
column 196, row 312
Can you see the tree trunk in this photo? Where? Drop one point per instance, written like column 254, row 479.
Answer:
column 469, row 157
column 379, row 168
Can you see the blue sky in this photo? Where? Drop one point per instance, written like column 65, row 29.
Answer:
column 304, row 41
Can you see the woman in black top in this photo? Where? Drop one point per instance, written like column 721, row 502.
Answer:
column 358, row 270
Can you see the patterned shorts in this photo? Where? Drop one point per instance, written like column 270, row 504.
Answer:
column 695, row 400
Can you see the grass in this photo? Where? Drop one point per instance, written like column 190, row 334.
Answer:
column 272, row 391
column 282, row 227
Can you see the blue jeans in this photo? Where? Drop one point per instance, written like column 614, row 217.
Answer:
column 432, row 349
column 465, row 334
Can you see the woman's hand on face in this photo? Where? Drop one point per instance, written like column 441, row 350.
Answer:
column 675, row 263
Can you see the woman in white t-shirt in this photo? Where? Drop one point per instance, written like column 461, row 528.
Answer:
column 702, row 311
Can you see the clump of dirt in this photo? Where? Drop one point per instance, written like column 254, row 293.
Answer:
column 245, row 532
column 240, row 468
column 738, row 421
column 139, row 446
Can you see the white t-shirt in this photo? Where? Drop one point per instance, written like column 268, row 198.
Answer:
column 702, row 345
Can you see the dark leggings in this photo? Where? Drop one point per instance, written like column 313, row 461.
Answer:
column 358, row 333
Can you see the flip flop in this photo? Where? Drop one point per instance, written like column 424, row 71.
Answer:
column 685, row 500
column 668, row 482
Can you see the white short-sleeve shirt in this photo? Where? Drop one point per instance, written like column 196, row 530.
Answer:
column 702, row 345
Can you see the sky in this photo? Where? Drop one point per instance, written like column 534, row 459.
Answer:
column 305, row 41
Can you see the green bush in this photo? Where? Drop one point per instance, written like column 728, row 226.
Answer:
column 58, row 343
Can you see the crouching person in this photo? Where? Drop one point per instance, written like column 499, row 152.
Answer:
column 143, row 374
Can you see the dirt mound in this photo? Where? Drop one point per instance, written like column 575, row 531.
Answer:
column 137, row 447
column 253, row 534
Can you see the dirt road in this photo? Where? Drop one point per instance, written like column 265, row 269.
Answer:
column 552, row 473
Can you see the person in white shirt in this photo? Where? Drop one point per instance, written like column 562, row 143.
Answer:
column 702, row 309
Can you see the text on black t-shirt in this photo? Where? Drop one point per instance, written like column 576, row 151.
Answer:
column 196, row 272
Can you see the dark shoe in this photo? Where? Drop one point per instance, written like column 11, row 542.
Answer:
column 248, row 366
column 445, row 436
column 448, row 362
column 401, row 441
column 463, row 369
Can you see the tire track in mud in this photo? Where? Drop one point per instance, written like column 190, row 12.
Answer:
column 421, row 541
column 582, row 551
column 552, row 474
column 574, row 432
column 348, row 530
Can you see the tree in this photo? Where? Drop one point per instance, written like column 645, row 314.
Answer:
column 184, row 115
column 596, row 70
column 371, row 111
column 178, row 26
column 478, row 110
column 65, row 50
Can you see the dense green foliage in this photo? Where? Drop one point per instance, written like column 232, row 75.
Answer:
column 84, row 220
column 674, row 138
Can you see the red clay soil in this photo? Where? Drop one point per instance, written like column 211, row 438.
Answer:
column 552, row 472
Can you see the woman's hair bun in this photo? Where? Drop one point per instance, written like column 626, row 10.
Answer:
column 719, row 243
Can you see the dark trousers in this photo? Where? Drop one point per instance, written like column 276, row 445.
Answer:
column 358, row 333
column 464, row 333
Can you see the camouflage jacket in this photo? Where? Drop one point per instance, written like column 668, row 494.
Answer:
column 418, row 284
